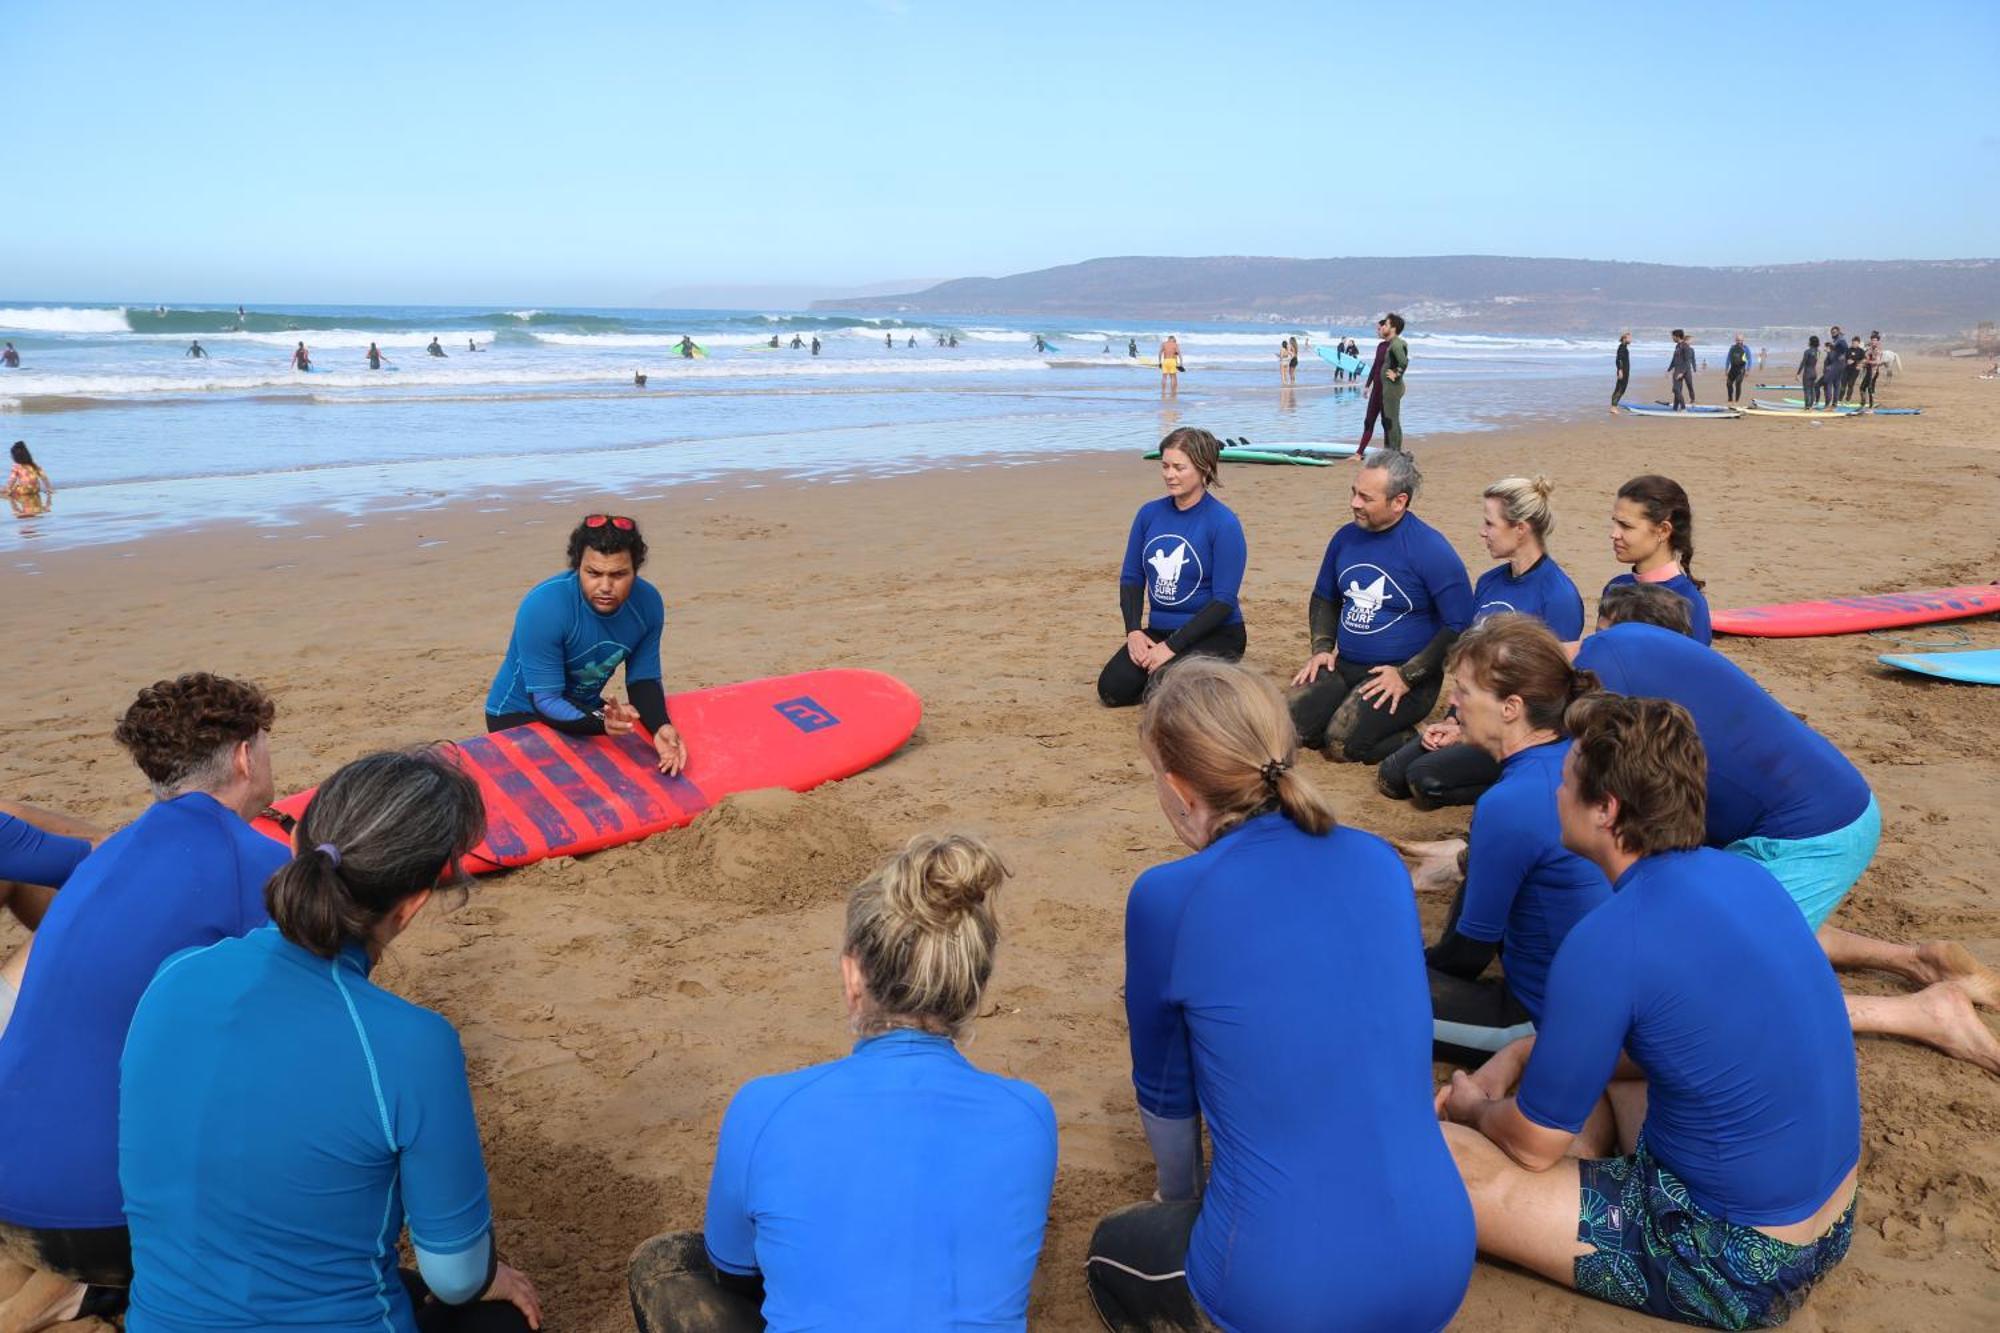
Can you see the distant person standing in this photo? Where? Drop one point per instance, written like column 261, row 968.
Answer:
column 686, row 348
column 815, row 345
column 1809, row 372
column 10, row 358
column 374, row 357
column 1623, row 362
column 436, row 348
column 1850, row 380
column 1737, row 367
column 1041, row 343
column 889, row 341
column 301, row 358
column 797, row 342
column 1760, row 357
column 196, row 350
column 1871, row 369
column 1385, row 385
column 1680, row 370
column 1833, row 365
column 1170, row 366
column 1131, row 347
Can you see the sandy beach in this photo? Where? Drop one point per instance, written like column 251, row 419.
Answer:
column 611, row 1005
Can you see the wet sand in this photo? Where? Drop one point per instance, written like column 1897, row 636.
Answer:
column 611, row 1005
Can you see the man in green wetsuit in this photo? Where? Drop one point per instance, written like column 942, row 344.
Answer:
column 1385, row 384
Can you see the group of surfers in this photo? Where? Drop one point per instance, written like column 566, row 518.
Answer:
column 219, row 1121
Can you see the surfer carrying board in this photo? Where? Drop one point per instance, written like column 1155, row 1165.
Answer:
column 574, row 630
column 301, row 358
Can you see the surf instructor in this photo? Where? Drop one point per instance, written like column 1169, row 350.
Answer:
column 574, row 630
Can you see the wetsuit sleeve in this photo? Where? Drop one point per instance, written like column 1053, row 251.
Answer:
column 442, row 1172
column 650, row 698
column 1457, row 956
column 1500, row 851
column 1586, row 1014
column 1228, row 554
column 1132, row 604
column 1203, row 623
column 1429, row 660
column 1162, row 1062
column 727, row 1227
column 1399, row 356
column 1324, row 619
column 29, row 855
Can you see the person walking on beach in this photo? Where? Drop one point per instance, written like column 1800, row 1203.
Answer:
column 1623, row 362
column 1284, row 360
column 1680, row 370
column 1170, row 367
column 301, row 358
column 1809, row 372
column 1385, row 385
column 196, row 350
column 1850, row 378
column 1737, row 367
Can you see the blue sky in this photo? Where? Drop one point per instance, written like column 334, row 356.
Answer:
column 604, row 153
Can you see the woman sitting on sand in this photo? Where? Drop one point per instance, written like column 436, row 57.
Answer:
column 1274, row 986
column 1184, row 562
column 899, row 1187
column 1440, row 767
column 282, row 1117
column 1522, row 890
column 1652, row 530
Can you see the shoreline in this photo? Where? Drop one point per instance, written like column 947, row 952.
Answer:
column 611, row 1005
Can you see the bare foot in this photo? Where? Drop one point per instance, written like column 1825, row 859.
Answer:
column 1429, row 851
column 43, row 1301
column 1945, row 960
column 1956, row 1028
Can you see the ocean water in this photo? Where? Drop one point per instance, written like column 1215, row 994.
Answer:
column 139, row 437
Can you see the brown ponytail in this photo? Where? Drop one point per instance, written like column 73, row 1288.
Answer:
column 1664, row 501
column 381, row 829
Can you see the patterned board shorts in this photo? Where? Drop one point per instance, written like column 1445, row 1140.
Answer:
column 1659, row 1251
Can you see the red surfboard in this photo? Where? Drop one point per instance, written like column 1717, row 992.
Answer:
column 549, row 794
column 1852, row 615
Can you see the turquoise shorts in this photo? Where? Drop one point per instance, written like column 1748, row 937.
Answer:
column 1819, row 871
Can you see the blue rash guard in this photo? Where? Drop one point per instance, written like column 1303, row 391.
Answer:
column 1275, row 984
column 1769, row 774
column 1396, row 590
column 1701, row 968
column 280, row 1117
column 1544, row 592
column 188, row 872
column 1522, row 886
column 1698, row 629
column 564, row 651
column 30, row 856
column 1185, row 559
column 897, row 1188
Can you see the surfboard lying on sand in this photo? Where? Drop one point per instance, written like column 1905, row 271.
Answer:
column 549, row 794
column 1341, row 360
column 1978, row 667
column 1852, row 615
column 1868, row 411
column 1685, row 413
column 1231, row 454
column 1760, row 408
column 1310, row 448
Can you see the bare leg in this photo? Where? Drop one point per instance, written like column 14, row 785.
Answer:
column 1524, row 1217
column 28, row 902
column 1941, row 1016
column 1925, row 964
column 43, row 1301
column 1439, row 866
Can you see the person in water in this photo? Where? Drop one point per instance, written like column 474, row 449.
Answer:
column 10, row 358
column 1521, row 890
column 1682, row 1134
column 1385, row 385
column 1170, row 366
column 1131, row 347
column 188, row 872
column 815, row 345
column 1040, row 344
column 25, row 478
column 1274, row 988
column 900, row 1187
column 1440, row 767
column 1782, row 795
column 471, row 346
column 374, row 357
column 196, row 350
column 1652, row 532
column 1390, row 598
column 797, row 342
column 574, row 630
column 1184, row 559
column 244, row 1053
column 436, row 348
column 685, row 347
column 889, row 341
column 638, row 379
column 301, row 358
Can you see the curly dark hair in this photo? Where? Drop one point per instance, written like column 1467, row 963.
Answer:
column 175, row 726
column 607, row 538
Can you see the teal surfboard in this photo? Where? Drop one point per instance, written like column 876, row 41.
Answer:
column 1232, row 455
column 1872, row 411
column 1978, row 667
column 1341, row 360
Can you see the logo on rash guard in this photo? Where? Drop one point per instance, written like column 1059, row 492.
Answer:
column 1176, row 569
column 1373, row 600
column 1495, row 608
column 595, row 667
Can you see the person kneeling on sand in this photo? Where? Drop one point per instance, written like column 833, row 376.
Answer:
column 282, row 1117
column 1682, row 1135
column 573, row 630
column 1183, row 570
column 1391, row 597
column 1274, row 986
column 899, row 1187
column 188, row 872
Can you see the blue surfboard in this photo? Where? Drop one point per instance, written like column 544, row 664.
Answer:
column 1981, row 666
column 1341, row 360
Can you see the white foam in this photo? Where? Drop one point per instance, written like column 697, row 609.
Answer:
column 315, row 339
column 64, row 319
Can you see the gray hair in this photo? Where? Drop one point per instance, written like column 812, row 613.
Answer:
column 1404, row 479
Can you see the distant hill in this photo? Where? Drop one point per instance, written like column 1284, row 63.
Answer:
column 1493, row 293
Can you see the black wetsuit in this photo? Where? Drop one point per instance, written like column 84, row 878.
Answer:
column 1624, row 372
column 1737, row 367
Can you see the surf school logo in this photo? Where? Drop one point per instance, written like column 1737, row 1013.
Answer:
column 804, row 714
column 1492, row 608
column 596, row 667
column 1176, row 569
column 1373, row 601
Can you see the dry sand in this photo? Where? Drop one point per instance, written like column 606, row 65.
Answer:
column 611, row 1005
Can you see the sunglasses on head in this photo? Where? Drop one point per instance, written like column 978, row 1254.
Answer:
column 618, row 521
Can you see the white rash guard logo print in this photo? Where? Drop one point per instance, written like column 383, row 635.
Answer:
column 1373, row 601
column 1176, row 569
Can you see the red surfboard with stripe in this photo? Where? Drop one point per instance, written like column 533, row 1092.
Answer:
column 550, row 794
column 1852, row 615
